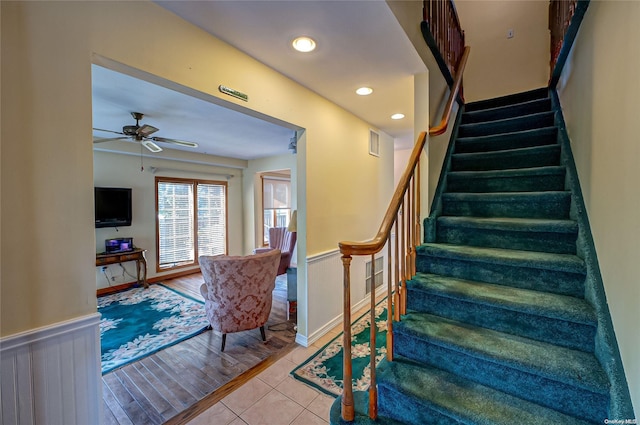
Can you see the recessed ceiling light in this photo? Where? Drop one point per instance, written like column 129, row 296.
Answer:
column 397, row 116
column 364, row 91
column 304, row 44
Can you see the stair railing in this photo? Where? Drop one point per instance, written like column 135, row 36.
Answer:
column 444, row 24
column 403, row 219
column 565, row 17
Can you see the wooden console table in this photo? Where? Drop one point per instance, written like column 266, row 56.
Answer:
column 137, row 255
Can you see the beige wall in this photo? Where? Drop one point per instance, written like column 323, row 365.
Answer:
column 118, row 170
column 497, row 65
column 47, row 158
column 600, row 96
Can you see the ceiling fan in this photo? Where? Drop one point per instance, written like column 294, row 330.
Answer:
column 142, row 134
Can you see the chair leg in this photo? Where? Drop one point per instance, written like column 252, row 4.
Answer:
column 264, row 337
column 224, row 341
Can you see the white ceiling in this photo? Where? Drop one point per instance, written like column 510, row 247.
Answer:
column 359, row 43
column 217, row 130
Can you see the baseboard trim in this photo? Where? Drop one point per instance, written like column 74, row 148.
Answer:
column 307, row 341
column 117, row 288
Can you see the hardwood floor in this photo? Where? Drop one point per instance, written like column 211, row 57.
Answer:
column 174, row 385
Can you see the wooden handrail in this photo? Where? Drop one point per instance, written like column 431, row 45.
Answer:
column 446, row 116
column 375, row 245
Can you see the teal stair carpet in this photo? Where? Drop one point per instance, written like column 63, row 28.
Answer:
column 498, row 329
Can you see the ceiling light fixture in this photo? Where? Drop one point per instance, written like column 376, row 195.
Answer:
column 397, row 116
column 364, row 91
column 304, row 44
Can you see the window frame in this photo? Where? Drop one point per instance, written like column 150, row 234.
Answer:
column 194, row 182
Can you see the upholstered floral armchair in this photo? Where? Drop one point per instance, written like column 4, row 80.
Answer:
column 238, row 291
column 284, row 240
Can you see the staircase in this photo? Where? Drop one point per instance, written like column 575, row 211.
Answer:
column 498, row 330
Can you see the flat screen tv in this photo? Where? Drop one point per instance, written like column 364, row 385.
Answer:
column 113, row 206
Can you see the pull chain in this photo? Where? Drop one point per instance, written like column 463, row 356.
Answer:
column 141, row 160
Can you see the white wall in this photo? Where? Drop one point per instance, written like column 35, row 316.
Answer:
column 400, row 161
column 499, row 65
column 117, row 170
column 600, row 97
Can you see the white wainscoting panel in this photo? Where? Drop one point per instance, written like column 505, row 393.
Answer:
column 52, row 375
column 325, row 289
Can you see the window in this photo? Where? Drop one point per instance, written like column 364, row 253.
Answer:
column 191, row 217
column 276, row 199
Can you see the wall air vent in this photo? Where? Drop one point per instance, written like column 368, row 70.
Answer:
column 374, row 143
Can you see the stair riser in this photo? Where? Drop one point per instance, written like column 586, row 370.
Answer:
column 557, row 243
column 395, row 405
column 555, row 331
column 508, row 100
column 556, row 207
column 507, row 160
column 527, row 183
column 527, row 385
column 527, row 139
column 507, row 126
column 543, row 105
column 558, row 282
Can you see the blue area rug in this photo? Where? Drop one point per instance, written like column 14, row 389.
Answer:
column 139, row 322
column 324, row 369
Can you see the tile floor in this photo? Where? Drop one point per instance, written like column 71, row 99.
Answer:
column 274, row 397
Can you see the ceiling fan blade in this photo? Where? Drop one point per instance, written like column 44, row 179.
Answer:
column 108, row 131
column 175, row 142
column 151, row 146
column 109, row 139
column 146, row 130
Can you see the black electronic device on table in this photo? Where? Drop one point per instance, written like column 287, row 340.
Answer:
column 118, row 245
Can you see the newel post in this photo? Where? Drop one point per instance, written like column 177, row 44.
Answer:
column 348, row 411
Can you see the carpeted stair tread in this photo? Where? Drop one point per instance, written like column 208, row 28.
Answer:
column 507, row 125
column 516, row 172
column 510, row 111
column 549, row 205
column 506, row 297
column 527, row 234
column 513, row 224
column 510, row 99
column 536, row 156
column 510, row 257
column 547, row 178
column 514, row 140
column 460, row 400
column 572, row 367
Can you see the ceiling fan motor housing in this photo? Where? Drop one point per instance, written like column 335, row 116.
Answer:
column 130, row 130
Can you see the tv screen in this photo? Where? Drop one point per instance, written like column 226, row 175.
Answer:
column 113, row 206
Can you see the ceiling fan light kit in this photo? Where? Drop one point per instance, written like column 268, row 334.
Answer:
column 151, row 146
column 142, row 134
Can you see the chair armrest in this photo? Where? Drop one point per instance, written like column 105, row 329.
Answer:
column 203, row 291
